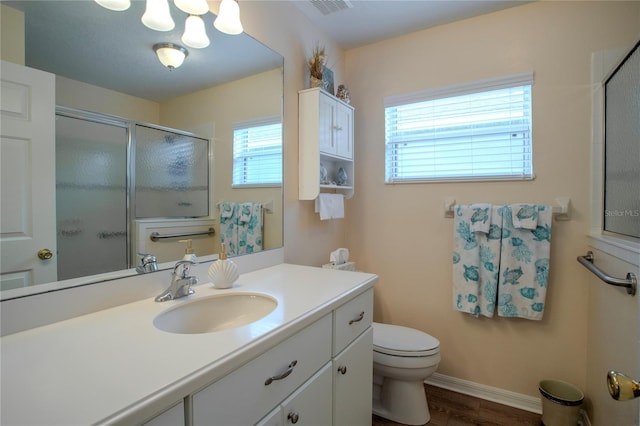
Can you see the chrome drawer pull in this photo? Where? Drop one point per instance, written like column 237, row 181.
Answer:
column 293, row 417
column 283, row 375
column 360, row 317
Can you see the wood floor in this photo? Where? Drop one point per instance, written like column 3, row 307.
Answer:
column 454, row 409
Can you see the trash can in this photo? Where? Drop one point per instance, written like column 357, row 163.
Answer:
column 561, row 403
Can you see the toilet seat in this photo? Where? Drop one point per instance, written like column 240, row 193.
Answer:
column 402, row 341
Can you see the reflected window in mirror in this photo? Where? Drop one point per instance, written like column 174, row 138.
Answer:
column 257, row 152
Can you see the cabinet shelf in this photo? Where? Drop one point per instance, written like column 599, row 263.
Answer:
column 326, row 140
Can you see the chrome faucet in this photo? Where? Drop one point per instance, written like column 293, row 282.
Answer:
column 181, row 282
column 149, row 263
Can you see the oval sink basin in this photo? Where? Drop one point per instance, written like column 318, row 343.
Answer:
column 216, row 313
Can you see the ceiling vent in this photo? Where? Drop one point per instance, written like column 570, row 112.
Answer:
column 331, row 6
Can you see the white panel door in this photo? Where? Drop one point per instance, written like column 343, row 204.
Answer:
column 27, row 176
column 326, row 142
column 352, row 382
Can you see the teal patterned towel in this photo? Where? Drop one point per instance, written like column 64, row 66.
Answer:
column 476, row 258
column 524, row 263
column 229, row 226
column 241, row 227
column 250, row 229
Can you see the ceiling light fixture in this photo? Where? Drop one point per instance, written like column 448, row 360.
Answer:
column 170, row 55
column 157, row 16
column 192, row 7
column 228, row 20
column 195, row 35
column 117, row 5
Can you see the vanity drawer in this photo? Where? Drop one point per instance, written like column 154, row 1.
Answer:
column 243, row 397
column 351, row 319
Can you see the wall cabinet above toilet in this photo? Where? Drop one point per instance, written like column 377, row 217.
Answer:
column 326, row 144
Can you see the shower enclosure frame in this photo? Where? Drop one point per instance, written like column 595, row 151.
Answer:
column 130, row 193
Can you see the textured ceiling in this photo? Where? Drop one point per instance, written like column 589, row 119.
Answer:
column 368, row 21
column 83, row 41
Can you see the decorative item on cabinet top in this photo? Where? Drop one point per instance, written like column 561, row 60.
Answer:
column 315, row 64
column 343, row 94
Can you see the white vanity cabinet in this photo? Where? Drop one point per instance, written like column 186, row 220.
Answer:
column 326, row 141
column 246, row 395
column 321, row 375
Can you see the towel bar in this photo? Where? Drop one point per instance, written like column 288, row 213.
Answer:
column 157, row 237
column 630, row 283
column 561, row 211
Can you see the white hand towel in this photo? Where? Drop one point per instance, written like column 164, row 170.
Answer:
column 246, row 210
column 478, row 216
column 524, row 216
column 227, row 209
column 330, row 206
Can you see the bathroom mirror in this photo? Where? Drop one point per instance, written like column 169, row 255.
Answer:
column 235, row 81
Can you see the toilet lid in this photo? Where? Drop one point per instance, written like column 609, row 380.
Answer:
column 403, row 341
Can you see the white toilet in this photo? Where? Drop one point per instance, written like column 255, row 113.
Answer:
column 402, row 359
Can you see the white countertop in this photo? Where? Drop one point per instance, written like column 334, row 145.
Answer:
column 115, row 367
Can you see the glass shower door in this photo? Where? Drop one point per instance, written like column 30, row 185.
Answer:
column 91, row 196
column 171, row 174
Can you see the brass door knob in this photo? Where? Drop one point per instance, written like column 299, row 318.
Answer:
column 621, row 387
column 45, row 254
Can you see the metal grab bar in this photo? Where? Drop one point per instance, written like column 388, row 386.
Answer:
column 630, row 283
column 157, row 237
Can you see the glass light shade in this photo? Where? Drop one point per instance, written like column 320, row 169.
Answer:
column 192, row 7
column 170, row 55
column 195, row 34
column 117, row 5
column 157, row 16
column 228, row 20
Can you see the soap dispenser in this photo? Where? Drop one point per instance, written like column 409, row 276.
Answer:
column 223, row 272
column 188, row 252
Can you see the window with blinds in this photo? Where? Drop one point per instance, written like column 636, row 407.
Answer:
column 257, row 152
column 475, row 131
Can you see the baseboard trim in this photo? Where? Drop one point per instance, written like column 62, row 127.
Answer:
column 489, row 393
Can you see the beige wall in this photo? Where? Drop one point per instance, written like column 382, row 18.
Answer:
column 283, row 28
column 83, row 96
column 11, row 35
column 398, row 231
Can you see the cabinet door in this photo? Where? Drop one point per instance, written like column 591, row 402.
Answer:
column 326, row 123
column 311, row 403
column 343, row 131
column 274, row 418
column 174, row 416
column 352, row 382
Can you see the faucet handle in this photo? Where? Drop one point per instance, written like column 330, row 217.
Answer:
column 185, row 264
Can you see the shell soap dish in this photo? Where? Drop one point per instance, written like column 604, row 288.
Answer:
column 223, row 272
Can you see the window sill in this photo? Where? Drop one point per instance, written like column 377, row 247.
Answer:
column 626, row 249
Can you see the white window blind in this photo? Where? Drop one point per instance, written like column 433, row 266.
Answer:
column 476, row 131
column 257, row 152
